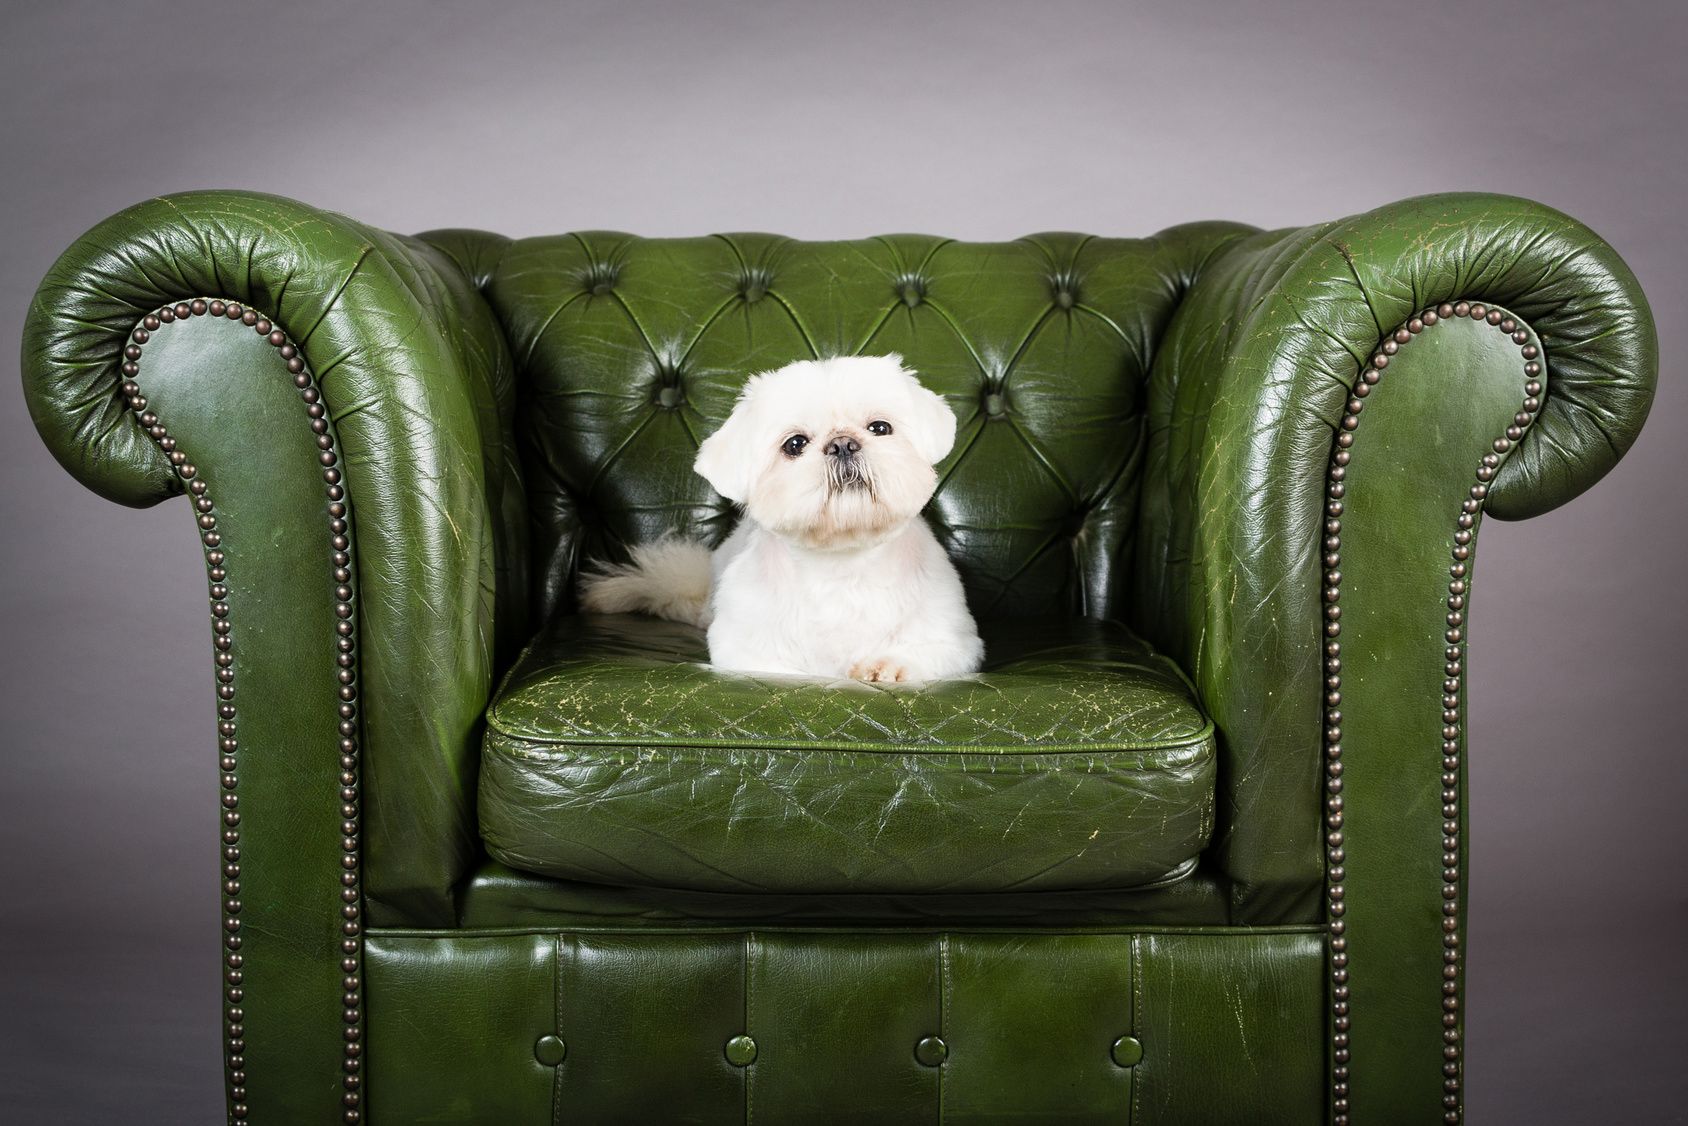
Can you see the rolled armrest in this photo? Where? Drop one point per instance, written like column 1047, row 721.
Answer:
column 1333, row 411
column 336, row 402
column 418, row 389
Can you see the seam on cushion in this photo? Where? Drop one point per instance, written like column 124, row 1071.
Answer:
column 750, row 1025
column 544, row 326
column 797, row 323
column 1175, row 875
column 557, row 955
column 960, row 336
column 926, row 262
column 715, row 315
column 1200, row 749
column 1136, row 1016
column 945, row 1001
column 1204, row 740
column 1206, row 732
column 884, row 317
column 738, row 255
column 1215, row 931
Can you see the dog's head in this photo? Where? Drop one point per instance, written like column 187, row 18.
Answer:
column 832, row 454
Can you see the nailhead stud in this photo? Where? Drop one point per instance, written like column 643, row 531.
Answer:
column 228, row 719
column 1465, row 527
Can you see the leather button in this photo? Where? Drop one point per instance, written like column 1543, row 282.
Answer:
column 1065, row 298
column 669, row 397
column 994, row 405
column 1127, row 1051
column 753, row 293
column 931, row 1051
column 600, row 278
column 911, row 294
column 741, row 1051
column 550, row 1050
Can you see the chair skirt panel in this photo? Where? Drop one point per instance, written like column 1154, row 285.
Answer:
column 793, row 1026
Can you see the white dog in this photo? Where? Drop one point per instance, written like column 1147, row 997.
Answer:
column 832, row 572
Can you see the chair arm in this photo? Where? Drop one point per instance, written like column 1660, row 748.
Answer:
column 417, row 389
column 1306, row 547
column 335, row 400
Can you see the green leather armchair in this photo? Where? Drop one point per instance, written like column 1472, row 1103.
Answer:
column 1189, row 850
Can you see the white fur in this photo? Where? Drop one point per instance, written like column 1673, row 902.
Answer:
column 831, row 572
column 667, row 579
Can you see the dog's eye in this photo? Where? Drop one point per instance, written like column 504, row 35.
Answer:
column 793, row 446
column 879, row 426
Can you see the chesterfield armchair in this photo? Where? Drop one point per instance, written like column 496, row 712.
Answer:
column 1191, row 849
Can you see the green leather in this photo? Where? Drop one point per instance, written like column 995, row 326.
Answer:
column 615, row 754
column 1228, row 1033
column 633, row 349
column 1226, row 1026
column 469, row 1011
column 1146, row 431
column 419, row 384
column 1404, row 490
column 261, row 469
column 1249, row 389
column 1243, row 402
column 496, row 896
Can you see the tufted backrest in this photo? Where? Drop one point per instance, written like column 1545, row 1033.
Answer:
column 631, row 350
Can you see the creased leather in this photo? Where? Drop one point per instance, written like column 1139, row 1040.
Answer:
column 1078, row 758
column 418, row 380
column 1200, row 523
column 631, row 350
column 1228, row 1024
column 497, row 896
column 1243, row 401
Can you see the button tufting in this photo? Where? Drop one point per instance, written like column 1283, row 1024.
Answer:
column 599, row 279
column 550, row 1050
column 741, row 1051
column 670, row 397
column 753, row 292
column 931, row 1051
column 1127, row 1051
column 911, row 293
column 1065, row 298
column 994, row 405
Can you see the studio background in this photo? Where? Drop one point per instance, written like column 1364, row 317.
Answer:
column 976, row 120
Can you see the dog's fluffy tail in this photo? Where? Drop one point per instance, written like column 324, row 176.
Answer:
column 669, row 579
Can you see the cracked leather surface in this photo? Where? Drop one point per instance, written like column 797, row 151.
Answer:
column 1077, row 758
column 1189, row 505
column 1249, row 341
column 1243, row 404
column 420, row 388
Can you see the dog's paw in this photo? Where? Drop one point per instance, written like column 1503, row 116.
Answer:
column 884, row 670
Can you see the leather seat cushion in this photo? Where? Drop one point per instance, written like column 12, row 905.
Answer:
column 1078, row 758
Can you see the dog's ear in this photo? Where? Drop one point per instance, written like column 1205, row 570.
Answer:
column 727, row 459
column 932, row 420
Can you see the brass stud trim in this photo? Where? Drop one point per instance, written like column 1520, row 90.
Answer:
column 348, row 893
column 1463, row 533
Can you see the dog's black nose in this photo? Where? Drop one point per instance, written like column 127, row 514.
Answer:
column 843, row 447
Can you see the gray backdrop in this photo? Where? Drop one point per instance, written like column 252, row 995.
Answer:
column 975, row 120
